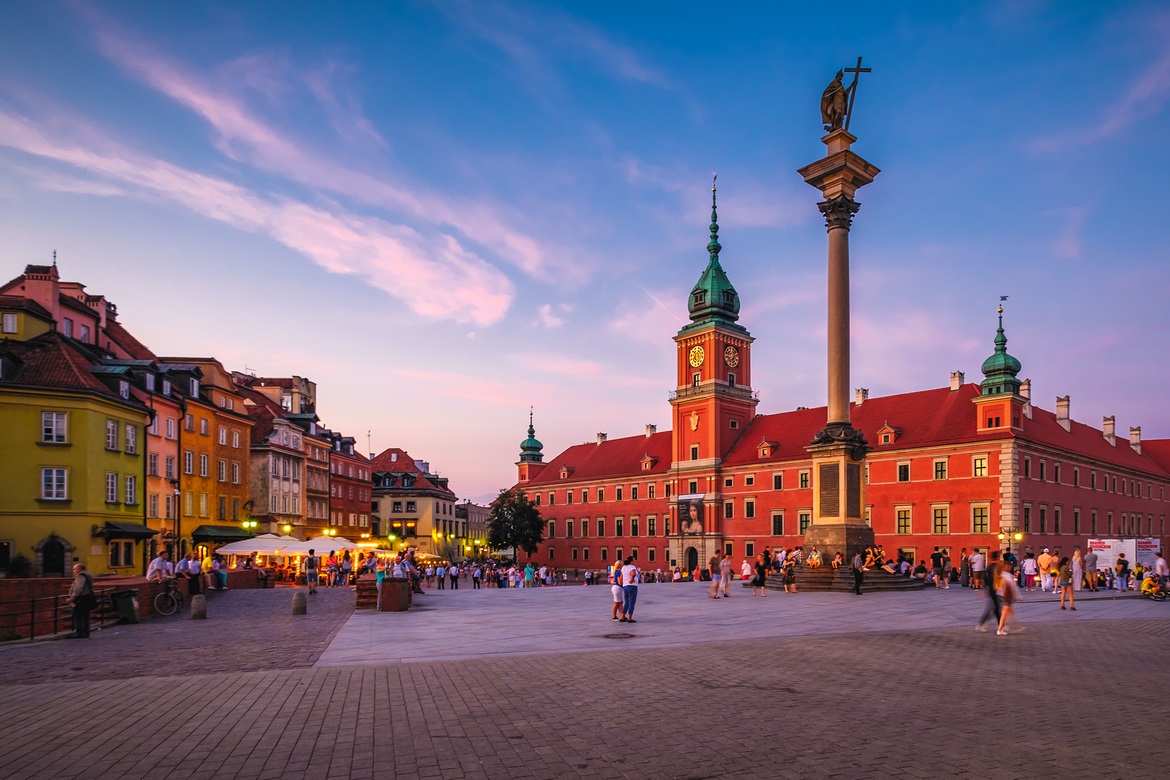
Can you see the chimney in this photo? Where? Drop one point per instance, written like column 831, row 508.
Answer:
column 651, row 430
column 600, row 438
column 1107, row 429
column 1135, row 439
column 957, row 379
column 1026, row 394
column 1062, row 412
column 861, row 395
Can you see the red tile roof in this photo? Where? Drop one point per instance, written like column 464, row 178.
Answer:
column 53, row 361
column 17, row 302
column 398, row 461
column 130, row 345
column 611, row 458
column 924, row 418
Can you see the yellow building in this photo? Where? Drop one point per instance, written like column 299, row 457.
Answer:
column 414, row 508
column 73, row 440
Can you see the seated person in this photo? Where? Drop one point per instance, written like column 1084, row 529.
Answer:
column 1151, row 585
column 838, row 561
column 920, row 571
column 889, row 566
column 814, row 559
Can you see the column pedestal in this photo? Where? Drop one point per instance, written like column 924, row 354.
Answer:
column 838, row 480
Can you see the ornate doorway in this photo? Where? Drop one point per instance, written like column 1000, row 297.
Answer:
column 692, row 559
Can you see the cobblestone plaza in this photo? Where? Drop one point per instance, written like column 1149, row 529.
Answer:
column 541, row 683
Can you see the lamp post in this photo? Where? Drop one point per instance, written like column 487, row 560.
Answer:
column 1009, row 536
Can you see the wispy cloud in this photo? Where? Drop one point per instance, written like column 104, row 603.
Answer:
column 399, row 260
column 245, row 137
column 1068, row 242
column 541, row 42
column 1145, row 96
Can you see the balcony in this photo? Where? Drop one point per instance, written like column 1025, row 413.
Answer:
column 738, row 391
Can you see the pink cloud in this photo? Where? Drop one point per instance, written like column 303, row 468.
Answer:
column 245, row 138
column 399, row 260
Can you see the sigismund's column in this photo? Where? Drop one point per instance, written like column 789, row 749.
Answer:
column 839, row 450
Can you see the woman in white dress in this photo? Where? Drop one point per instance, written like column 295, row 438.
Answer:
column 1078, row 568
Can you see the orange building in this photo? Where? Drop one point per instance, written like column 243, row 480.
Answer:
column 955, row 466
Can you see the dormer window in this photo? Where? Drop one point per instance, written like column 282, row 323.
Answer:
column 728, row 296
column 888, row 434
column 166, row 387
column 148, row 382
column 124, row 388
column 194, row 387
column 700, row 297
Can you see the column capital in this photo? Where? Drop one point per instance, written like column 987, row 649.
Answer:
column 839, row 211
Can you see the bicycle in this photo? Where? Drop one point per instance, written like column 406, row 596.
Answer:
column 170, row 600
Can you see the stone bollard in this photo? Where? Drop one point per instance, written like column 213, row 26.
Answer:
column 199, row 607
column 300, row 604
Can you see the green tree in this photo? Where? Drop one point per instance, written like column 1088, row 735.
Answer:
column 515, row 522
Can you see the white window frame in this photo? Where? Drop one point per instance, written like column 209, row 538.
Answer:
column 111, row 487
column 54, row 427
column 131, row 440
column 54, row 483
column 111, row 434
column 131, row 489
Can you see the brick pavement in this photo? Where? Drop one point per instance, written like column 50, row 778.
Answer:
column 863, row 705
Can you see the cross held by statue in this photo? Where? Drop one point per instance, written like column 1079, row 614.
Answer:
column 856, row 71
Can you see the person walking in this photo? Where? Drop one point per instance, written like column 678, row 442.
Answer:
column 312, row 564
column 936, row 567
column 1064, row 579
column 82, row 601
column 441, row 575
column 713, row 567
column 379, row 578
column 1009, row 594
column 761, row 577
column 725, row 573
column 453, row 573
column 346, row 569
column 857, row 566
column 992, row 608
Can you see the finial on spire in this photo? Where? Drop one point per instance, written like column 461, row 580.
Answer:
column 713, row 247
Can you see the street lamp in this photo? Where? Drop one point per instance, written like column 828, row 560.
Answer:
column 1007, row 536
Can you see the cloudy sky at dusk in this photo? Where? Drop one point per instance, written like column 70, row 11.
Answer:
column 445, row 212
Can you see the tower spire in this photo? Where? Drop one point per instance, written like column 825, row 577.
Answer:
column 713, row 247
column 1001, row 369
column 531, row 450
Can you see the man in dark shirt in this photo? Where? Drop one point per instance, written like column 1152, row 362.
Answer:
column 857, row 565
column 936, row 566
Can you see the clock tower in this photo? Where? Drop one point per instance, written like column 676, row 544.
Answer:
column 713, row 401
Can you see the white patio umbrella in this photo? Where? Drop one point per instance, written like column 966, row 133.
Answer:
column 266, row 544
column 320, row 544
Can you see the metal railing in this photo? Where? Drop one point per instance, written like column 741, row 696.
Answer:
column 48, row 616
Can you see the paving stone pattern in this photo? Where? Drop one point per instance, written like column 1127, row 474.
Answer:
column 919, row 703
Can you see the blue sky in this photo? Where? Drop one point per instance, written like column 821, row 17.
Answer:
column 444, row 212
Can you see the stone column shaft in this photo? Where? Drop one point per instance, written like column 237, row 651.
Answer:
column 838, row 325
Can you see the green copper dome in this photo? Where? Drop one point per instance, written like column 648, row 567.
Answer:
column 531, row 450
column 1000, row 370
column 713, row 297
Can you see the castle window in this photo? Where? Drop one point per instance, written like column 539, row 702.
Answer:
column 731, row 383
column 804, row 480
column 777, row 524
column 700, row 297
column 979, row 466
column 904, row 472
column 940, row 469
column 695, row 378
column 728, row 297
column 694, row 452
column 749, row 480
column 903, row 516
column 749, row 509
column 735, row 425
column 777, row 481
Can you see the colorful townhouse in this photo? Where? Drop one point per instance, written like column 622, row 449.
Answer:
column 73, row 440
column 350, row 487
column 415, row 508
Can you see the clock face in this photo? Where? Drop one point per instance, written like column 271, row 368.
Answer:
column 696, row 356
column 731, row 356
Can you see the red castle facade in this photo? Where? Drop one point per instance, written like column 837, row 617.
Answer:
column 955, row 466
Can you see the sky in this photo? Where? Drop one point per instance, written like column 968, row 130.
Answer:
column 445, row 213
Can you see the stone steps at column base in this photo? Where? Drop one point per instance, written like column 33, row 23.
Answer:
column 840, row 580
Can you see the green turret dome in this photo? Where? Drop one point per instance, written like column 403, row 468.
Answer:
column 531, row 450
column 1001, row 369
column 713, row 297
